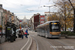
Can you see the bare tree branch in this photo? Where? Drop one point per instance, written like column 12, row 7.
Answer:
column 71, row 4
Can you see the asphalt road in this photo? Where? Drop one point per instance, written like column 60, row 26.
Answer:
column 53, row 44
column 39, row 43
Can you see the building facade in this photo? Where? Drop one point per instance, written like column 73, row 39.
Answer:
column 6, row 17
column 34, row 21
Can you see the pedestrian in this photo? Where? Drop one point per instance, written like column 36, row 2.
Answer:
column 19, row 35
column 22, row 33
column 26, row 33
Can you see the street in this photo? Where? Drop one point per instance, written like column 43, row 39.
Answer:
column 34, row 42
column 54, row 44
column 37, row 25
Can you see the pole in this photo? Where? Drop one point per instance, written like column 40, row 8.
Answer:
column 49, row 10
column 65, row 15
column 1, row 18
column 65, row 23
column 74, row 21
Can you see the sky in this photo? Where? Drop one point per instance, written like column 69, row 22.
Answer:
column 27, row 8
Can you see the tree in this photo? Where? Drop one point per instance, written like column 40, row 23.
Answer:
column 74, row 12
column 64, row 7
column 53, row 17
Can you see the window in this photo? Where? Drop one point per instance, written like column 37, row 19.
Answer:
column 42, row 21
column 42, row 17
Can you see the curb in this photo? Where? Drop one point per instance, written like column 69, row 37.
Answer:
column 72, row 37
column 2, row 39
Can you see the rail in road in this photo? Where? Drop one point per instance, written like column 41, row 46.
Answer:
column 27, row 44
column 34, row 42
column 53, row 44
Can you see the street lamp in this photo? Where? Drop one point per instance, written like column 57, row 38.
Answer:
column 49, row 7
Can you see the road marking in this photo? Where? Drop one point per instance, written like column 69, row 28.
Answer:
column 63, row 43
column 30, row 44
column 51, row 45
column 36, row 44
column 25, row 45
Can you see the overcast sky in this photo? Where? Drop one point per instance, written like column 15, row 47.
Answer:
column 26, row 8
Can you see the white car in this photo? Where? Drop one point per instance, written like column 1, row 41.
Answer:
column 17, row 30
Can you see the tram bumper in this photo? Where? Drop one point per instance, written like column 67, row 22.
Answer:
column 55, row 36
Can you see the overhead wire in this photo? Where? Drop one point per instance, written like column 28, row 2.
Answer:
column 39, row 4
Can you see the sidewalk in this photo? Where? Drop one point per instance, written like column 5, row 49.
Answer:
column 16, row 45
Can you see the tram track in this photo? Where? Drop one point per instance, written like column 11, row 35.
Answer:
column 27, row 44
column 57, row 44
column 60, row 44
column 44, row 42
column 36, row 44
column 41, row 41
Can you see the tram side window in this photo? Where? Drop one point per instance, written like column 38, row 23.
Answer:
column 37, row 30
column 47, row 29
column 40, row 30
column 44, row 30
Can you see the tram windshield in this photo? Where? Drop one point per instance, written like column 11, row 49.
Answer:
column 54, row 27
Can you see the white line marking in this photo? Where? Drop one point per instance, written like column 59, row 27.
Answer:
column 30, row 45
column 25, row 45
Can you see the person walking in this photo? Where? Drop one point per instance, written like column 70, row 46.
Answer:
column 22, row 33
column 19, row 35
column 26, row 33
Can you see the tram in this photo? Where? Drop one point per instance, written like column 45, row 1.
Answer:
column 50, row 29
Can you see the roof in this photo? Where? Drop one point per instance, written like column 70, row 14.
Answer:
column 47, row 23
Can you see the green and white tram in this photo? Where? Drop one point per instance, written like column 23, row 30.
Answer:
column 50, row 29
